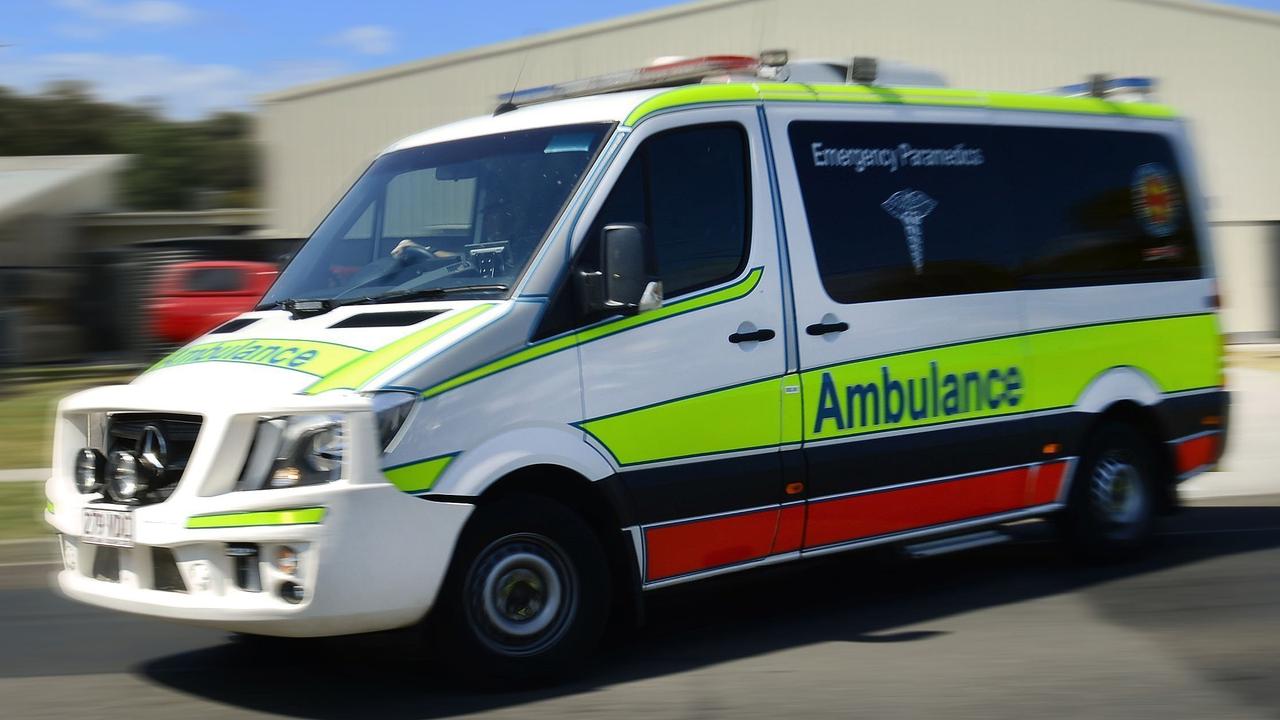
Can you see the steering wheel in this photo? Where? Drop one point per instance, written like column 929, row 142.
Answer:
column 413, row 253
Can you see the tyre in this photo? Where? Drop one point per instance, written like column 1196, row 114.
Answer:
column 1111, row 509
column 527, row 595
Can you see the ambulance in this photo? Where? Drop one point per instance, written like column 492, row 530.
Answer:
column 640, row 330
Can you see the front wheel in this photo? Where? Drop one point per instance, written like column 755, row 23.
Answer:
column 1110, row 514
column 527, row 595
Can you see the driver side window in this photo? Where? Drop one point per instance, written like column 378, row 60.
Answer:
column 690, row 187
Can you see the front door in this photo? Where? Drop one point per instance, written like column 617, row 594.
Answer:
column 908, row 321
column 686, row 400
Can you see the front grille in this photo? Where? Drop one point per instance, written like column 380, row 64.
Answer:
column 125, row 432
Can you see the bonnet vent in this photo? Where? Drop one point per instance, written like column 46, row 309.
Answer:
column 386, row 319
column 231, row 326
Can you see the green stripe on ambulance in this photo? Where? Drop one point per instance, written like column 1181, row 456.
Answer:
column 737, row 290
column 1004, row 376
column 419, row 476
column 312, row 358
column 1043, row 370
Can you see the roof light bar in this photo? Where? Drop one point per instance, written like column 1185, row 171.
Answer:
column 1101, row 86
column 863, row 71
column 773, row 65
column 667, row 73
column 774, row 58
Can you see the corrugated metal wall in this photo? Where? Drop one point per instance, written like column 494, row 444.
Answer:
column 1216, row 64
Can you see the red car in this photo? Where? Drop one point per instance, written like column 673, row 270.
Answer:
column 192, row 298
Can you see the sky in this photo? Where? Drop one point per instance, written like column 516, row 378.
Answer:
column 193, row 57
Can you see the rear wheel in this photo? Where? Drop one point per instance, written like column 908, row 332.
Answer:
column 527, row 595
column 1111, row 511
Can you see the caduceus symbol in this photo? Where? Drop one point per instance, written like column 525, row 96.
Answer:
column 910, row 208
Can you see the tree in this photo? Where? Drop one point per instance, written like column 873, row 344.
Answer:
column 175, row 163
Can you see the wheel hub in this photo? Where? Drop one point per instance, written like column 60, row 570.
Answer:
column 523, row 594
column 1118, row 491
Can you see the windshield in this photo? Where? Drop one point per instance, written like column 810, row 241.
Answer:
column 455, row 217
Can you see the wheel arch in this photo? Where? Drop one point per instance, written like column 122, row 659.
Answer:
column 1147, row 421
column 1122, row 383
column 1129, row 394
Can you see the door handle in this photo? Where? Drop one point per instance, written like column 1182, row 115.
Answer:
column 758, row 336
column 824, row 328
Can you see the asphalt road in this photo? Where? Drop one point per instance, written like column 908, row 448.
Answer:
column 1017, row 630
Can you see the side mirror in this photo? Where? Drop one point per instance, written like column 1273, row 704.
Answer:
column 625, row 282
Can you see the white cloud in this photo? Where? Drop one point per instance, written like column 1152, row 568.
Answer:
column 366, row 39
column 133, row 12
column 182, row 90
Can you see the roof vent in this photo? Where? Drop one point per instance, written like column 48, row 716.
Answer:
column 399, row 318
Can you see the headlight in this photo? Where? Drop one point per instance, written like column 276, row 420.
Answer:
column 91, row 469
column 126, row 482
column 295, row 451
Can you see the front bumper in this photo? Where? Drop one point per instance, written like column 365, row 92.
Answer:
column 374, row 562
column 370, row 556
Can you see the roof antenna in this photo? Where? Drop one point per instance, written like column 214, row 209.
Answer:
column 508, row 106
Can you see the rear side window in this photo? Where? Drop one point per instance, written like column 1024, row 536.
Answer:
column 690, row 187
column 902, row 211
column 1095, row 208
column 206, row 280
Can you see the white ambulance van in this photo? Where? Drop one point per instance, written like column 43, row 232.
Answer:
column 652, row 328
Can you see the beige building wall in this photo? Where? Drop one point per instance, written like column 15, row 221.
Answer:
column 1248, row 257
column 1215, row 64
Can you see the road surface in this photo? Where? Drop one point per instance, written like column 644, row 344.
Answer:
column 1012, row 631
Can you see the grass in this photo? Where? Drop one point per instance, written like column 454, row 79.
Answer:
column 28, row 400
column 22, row 510
column 27, row 405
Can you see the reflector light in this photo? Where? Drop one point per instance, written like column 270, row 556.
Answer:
column 286, row 560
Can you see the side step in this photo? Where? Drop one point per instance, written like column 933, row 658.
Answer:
column 956, row 543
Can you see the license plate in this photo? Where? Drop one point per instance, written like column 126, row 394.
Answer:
column 108, row 527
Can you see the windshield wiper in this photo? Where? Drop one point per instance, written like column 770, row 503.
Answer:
column 301, row 307
column 310, row 307
column 424, row 294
